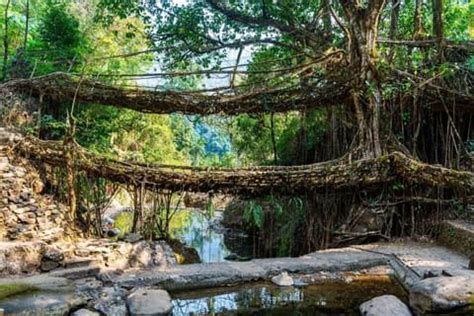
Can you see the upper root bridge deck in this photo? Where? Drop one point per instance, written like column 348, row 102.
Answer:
column 64, row 87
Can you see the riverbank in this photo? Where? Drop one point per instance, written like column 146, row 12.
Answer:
column 433, row 269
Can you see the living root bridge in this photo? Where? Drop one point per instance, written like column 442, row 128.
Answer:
column 257, row 180
column 64, row 87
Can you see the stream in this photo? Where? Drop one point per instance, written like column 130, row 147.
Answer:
column 207, row 236
column 214, row 243
column 263, row 298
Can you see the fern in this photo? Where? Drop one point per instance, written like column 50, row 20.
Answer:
column 253, row 214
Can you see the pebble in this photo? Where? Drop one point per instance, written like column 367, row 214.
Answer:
column 283, row 279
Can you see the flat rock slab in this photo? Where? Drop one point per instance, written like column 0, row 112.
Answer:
column 424, row 257
column 147, row 302
column 41, row 282
column 195, row 276
column 458, row 235
column 441, row 294
column 41, row 303
column 385, row 305
column 77, row 273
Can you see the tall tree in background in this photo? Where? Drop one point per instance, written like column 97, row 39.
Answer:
column 5, row 41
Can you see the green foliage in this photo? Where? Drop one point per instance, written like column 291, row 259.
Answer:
column 296, row 203
column 251, row 136
column 124, row 222
column 57, row 28
column 253, row 214
column 398, row 186
column 210, row 208
column 58, row 38
column 291, row 219
column 275, row 205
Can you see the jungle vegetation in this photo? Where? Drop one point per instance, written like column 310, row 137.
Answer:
column 386, row 76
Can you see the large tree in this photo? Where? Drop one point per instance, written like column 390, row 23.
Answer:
column 356, row 53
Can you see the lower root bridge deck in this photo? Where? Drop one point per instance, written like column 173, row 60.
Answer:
column 337, row 174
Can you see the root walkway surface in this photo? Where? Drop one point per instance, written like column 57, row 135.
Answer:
column 335, row 174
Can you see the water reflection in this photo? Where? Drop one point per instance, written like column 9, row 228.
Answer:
column 267, row 299
column 196, row 230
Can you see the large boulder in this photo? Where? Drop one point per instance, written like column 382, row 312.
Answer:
column 386, row 305
column 18, row 257
column 184, row 255
column 441, row 294
column 145, row 301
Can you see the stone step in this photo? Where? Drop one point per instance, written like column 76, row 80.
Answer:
column 78, row 262
column 458, row 235
column 76, row 273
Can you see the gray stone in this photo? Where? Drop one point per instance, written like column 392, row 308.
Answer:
column 143, row 302
column 283, row 279
column 440, row 294
column 53, row 254
column 25, row 195
column 88, row 283
column 385, row 305
column 196, row 276
column 111, row 302
column 132, row 238
column 299, row 283
column 48, row 265
column 18, row 210
column 141, row 255
column 3, row 263
column 84, row 312
column 77, row 273
column 41, row 303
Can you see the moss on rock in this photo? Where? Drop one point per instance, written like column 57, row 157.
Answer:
column 7, row 290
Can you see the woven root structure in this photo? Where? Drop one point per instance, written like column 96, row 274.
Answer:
column 61, row 87
column 335, row 175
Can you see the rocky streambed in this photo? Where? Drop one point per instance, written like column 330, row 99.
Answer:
column 368, row 278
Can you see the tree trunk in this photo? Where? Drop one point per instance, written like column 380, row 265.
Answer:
column 366, row 91
column 5, row 42
column 418, row 26
column 27, row 21
column 326, row 17
column 438, row 27
column 394, row 25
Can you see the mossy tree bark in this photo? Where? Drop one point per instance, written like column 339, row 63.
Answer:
column 362, row 32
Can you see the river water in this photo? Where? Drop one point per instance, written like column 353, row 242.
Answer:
column 264, row 298
column 211, row 240
column 213, row 243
